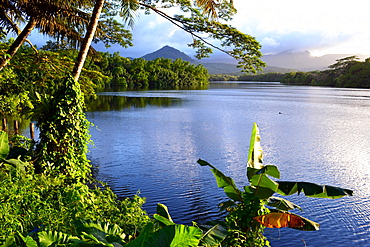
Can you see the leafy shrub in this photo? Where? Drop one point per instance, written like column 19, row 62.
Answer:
column 31, row 202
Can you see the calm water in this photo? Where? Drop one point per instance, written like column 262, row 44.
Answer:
column 150, row 141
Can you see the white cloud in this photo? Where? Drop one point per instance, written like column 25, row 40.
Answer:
column 270, row 42
column 316, row 25
column 319, row 26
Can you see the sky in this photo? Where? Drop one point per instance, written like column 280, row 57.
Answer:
column 318, row 26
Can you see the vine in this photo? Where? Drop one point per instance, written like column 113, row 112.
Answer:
column 64, row 134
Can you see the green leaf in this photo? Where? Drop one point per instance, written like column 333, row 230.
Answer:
column 100, row 232
column 312, row 190
column 143, row 237
column 4, row 145
column 262, row 192
column 224, row 182
column 265, row 187
column 162, row 210
column 163, row 220
column 55, row 238
column 255, row 154
column 18, row 164
column 213, row 234
column 281, row 203
column 270, row 170
column 10, row 242
column 175, row 236
column 28, row 241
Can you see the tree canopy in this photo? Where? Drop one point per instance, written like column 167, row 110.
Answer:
column 205, row 20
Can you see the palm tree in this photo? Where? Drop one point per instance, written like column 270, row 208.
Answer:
column 55, row 18
column 90, row 32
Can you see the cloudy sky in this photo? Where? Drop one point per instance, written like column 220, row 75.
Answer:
column 319, row 26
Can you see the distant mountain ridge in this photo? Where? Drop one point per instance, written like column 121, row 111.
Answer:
column 282, row 62
column 304, row 61
column 219, row 66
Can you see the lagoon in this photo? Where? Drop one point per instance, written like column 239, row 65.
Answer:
column 149, row 141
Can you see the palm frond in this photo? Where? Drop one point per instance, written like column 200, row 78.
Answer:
column 129, row 11
column 211, row 7
column 208, row 6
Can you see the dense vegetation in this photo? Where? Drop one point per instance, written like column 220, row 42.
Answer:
column 157, row 73
column 262, row 77
column 265, row 77
column 346, row 72
column 29, row 70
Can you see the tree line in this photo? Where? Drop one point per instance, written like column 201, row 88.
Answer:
column 154, row 74
column 265, row 77
column 346, row 72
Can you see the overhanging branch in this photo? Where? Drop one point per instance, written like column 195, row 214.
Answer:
column 176, row 23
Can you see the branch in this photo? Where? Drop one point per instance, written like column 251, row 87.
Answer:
column 175, row 22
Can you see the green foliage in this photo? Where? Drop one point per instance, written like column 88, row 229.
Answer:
column 243, row 206
column 346, row 72
column 31, row 203
column 163, row 232
column 265, row 77
column 250, row 211
column 155, row 74
column 166, row 233
column 41, row 72
column 63, row 132
column 222, row 77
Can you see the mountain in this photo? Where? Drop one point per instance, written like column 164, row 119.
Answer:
column 168, row 52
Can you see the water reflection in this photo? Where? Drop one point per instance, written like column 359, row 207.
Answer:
column 116, row 103
column 23, row 125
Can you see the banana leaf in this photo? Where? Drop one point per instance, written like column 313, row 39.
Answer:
column 281, row 203
column 278, row 219
column 224, row 182
column 213, row 234
column 255, row 154
column 312, row 190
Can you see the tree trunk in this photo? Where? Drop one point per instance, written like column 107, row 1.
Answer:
column 22, row 37
column 85, row 46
